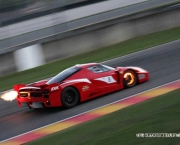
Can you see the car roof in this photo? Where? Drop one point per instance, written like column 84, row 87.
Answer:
column 86, row 65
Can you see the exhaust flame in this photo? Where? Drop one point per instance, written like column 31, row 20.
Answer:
column 9, row 96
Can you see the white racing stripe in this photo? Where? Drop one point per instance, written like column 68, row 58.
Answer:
column 108, row 79
column 91, row 110
column 78, row 80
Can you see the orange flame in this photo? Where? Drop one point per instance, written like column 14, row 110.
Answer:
column 9, row 96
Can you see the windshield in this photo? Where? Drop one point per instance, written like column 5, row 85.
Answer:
column 107, row 67
column 63, row 75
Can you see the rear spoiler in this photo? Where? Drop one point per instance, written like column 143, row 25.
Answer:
column 18, row 86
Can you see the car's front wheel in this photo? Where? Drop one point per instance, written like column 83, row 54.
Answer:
column 130, row 78
column 69, row 97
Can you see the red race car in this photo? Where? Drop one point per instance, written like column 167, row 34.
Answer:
column 77, row 84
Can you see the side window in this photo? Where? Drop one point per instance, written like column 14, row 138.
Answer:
column 95, row 69
column 105, row 69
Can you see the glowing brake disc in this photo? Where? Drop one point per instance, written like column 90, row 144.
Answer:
column 129, row 77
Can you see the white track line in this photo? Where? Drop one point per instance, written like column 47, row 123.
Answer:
column 142, row 51
column 91, row 110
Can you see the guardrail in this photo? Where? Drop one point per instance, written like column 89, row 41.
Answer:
column 74, row 27
column 26, row 10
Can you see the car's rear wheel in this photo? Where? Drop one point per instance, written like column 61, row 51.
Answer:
column 69, row 97
column 130, row 78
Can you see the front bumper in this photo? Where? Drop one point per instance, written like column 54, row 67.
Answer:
column 143, row 77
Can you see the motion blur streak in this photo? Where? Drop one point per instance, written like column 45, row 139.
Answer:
column 9, row 96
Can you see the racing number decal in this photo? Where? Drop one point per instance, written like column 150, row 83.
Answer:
column 108, row 79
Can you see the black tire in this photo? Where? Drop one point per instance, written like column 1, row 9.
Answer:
column 130, row 78
column 29, row 106
column 69, row 97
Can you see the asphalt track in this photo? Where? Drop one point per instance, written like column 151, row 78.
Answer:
column 162, row 62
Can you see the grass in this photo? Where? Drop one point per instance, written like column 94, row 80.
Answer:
column 158, row 115
column 102, row 54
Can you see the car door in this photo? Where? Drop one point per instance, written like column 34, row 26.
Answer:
column 104, row 79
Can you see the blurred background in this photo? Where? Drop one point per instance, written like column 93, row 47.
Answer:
column 34, row 32
column 13, row 11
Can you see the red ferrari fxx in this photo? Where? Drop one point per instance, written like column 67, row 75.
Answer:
column 77, row 84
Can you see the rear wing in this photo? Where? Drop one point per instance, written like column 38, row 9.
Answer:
column 18, row 86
